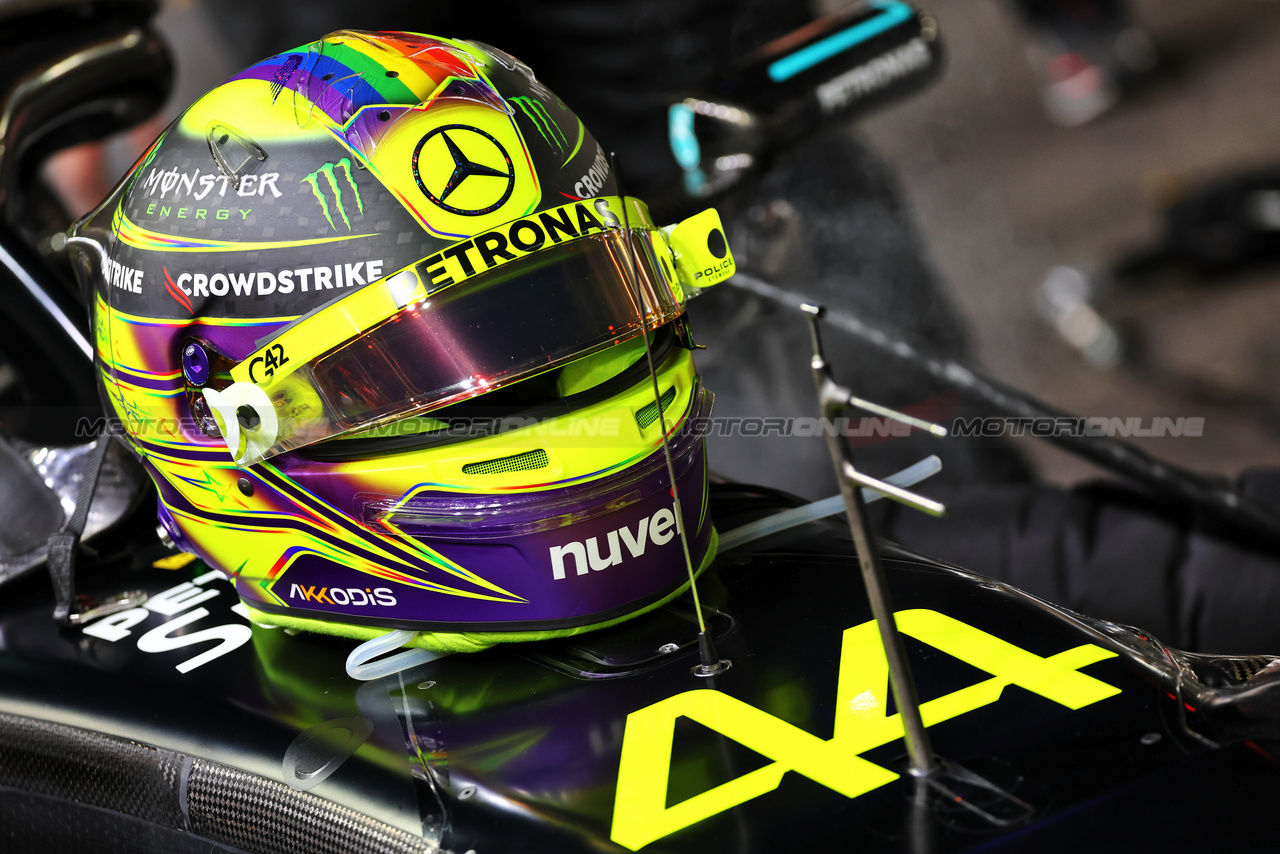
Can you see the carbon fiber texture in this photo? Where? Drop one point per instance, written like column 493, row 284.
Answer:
column 233, row 806
column 90, row 768
column 35, row 824
column 64, row 788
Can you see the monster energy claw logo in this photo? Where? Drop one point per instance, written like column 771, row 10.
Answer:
column 537, row 113
column 327, row 171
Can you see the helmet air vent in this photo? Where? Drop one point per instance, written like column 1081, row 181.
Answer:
column 235, row 154
column 649, row 414
column 528, row 461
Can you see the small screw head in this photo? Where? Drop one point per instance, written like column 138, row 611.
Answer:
column 1150, row 738
column 425, row 685
column 245, row 485
column 466, row 792
column 703, row 671
column 195, row 364
column 668, row 648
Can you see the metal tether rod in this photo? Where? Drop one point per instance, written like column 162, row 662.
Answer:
column 919, row 750
column 1216, row 496
column 710, row 662
column 918, row 423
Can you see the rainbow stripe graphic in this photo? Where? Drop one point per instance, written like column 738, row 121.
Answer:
column 349, row 79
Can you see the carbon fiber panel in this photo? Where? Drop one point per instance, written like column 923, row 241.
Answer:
column 90, row 768
column 61, row 785
column 266, row 817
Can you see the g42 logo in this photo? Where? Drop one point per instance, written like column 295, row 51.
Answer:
column 640, row 811
column 272, row 358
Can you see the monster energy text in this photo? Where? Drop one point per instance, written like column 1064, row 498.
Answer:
column 541, row 119
column 332, row 183
column 170, row 183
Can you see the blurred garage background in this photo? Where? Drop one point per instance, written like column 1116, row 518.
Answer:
column 1002, row 196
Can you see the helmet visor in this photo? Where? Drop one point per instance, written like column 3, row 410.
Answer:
column 449, row 328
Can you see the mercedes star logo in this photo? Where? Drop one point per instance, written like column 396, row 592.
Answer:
column 467, row 146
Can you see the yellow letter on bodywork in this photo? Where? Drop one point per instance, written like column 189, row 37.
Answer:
column 640, row 814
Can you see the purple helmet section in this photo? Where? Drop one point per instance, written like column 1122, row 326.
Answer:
column 579, row 571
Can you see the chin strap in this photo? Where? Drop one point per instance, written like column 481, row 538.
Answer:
column 64, row 546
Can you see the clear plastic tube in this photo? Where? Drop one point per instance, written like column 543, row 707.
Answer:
column 752, row 531
column 360, row 666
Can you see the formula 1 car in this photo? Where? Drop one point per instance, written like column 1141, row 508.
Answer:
column 153, row 716
column 176, row 726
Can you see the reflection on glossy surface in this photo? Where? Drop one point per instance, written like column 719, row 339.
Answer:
column 1030, row 705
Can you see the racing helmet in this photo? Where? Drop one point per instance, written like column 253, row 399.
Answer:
column 378, row 322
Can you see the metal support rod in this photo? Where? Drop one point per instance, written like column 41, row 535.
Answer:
column 918, row 423
column 919, row 750
column 1224, row 501
column 897, row 493
column 900, row 681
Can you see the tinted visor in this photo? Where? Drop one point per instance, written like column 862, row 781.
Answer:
column 410, row 344
column 521, row 319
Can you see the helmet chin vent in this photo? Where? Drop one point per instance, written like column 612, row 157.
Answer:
column 528, row 461
column 649, row 414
